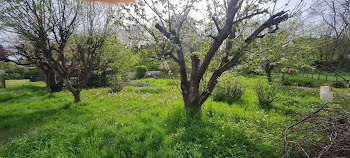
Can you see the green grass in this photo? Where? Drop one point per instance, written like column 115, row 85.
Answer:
column 325, row 78
column 144, row 122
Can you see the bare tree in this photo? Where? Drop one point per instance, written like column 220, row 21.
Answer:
column 335, row 15
column 225, row 21
column 62, row 37
column 84, row 49
column 36, row 22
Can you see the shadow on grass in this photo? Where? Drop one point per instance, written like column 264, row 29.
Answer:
column 22, row 93
column 210, row 138
column 13, row 125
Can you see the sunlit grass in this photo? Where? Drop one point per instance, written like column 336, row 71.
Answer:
column 144, row 122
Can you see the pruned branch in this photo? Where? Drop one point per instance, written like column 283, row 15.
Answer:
column 216, row 24
column 273, row 20
column 250, row 16
column 297, row 123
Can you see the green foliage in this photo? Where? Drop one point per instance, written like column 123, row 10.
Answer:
column 147, row 56
column 98, row 79
column 280, row 53
column 118, row 59
column 169, row 69
column 290, row 71
column 141, row 71
column 145, row 122
column 266, row 94
column 116, row 83
column 228, row 91
column 14, row 76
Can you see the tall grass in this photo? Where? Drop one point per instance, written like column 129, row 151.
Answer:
column 143, row 122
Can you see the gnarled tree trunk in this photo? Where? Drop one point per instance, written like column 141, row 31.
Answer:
column 73, row 90
column 193, row 98
column 76, row 95
column 53, row 82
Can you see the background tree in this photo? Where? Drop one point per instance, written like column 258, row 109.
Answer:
column 283, row 52
column 61, row 37
column 335, row 15
column 3, row 55
column 83, row 52
column 270, row 52
column 119, row 58
column 225, row 16
column 42, row 27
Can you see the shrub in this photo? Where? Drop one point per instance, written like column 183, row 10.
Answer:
column 28, row 75
column 286, row 83
column 116, row 83
column 14, row 76
column 97, row 79
column 141, row 71
column 305, row 84
column 309, row 84
column 338, row 84
column 266, row 94
column 228, row 91
column 140, row 84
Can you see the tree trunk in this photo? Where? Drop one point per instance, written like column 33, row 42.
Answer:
column 193, row 106
column 3, row 81
column 74, row 91
column 55, row 86
column 76, row 95
column 269, row 77
column 268, row 69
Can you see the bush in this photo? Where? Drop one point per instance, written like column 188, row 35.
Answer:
column 141, row 71
column 116, row 83
column 14, row 76
column 338, row 84
column 266, row 94
column 98, row 79
column 28, row 75
column 286, row 83
column 306, row 84
column 228, row 91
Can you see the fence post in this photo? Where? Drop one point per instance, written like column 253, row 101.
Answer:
column 326, row 76
column 3, row 81
column 312, row 75
column 318, row 78
column 336, row 79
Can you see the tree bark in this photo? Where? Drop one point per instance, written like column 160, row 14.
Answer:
column 52, row 83
column 193, row 99
column 192, row 104
column 74, row 91
column 3, row 81
column 76, row 95
column 268, row 69
column 269, row 77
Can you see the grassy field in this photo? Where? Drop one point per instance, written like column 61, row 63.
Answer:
column 317, row 79
column 145, row 122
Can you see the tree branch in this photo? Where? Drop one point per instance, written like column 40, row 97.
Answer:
column 216, row 24
column 273, row 20
column 249, row 16
column 297, row 123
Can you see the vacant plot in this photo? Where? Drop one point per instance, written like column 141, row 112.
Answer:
column 146, row 122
